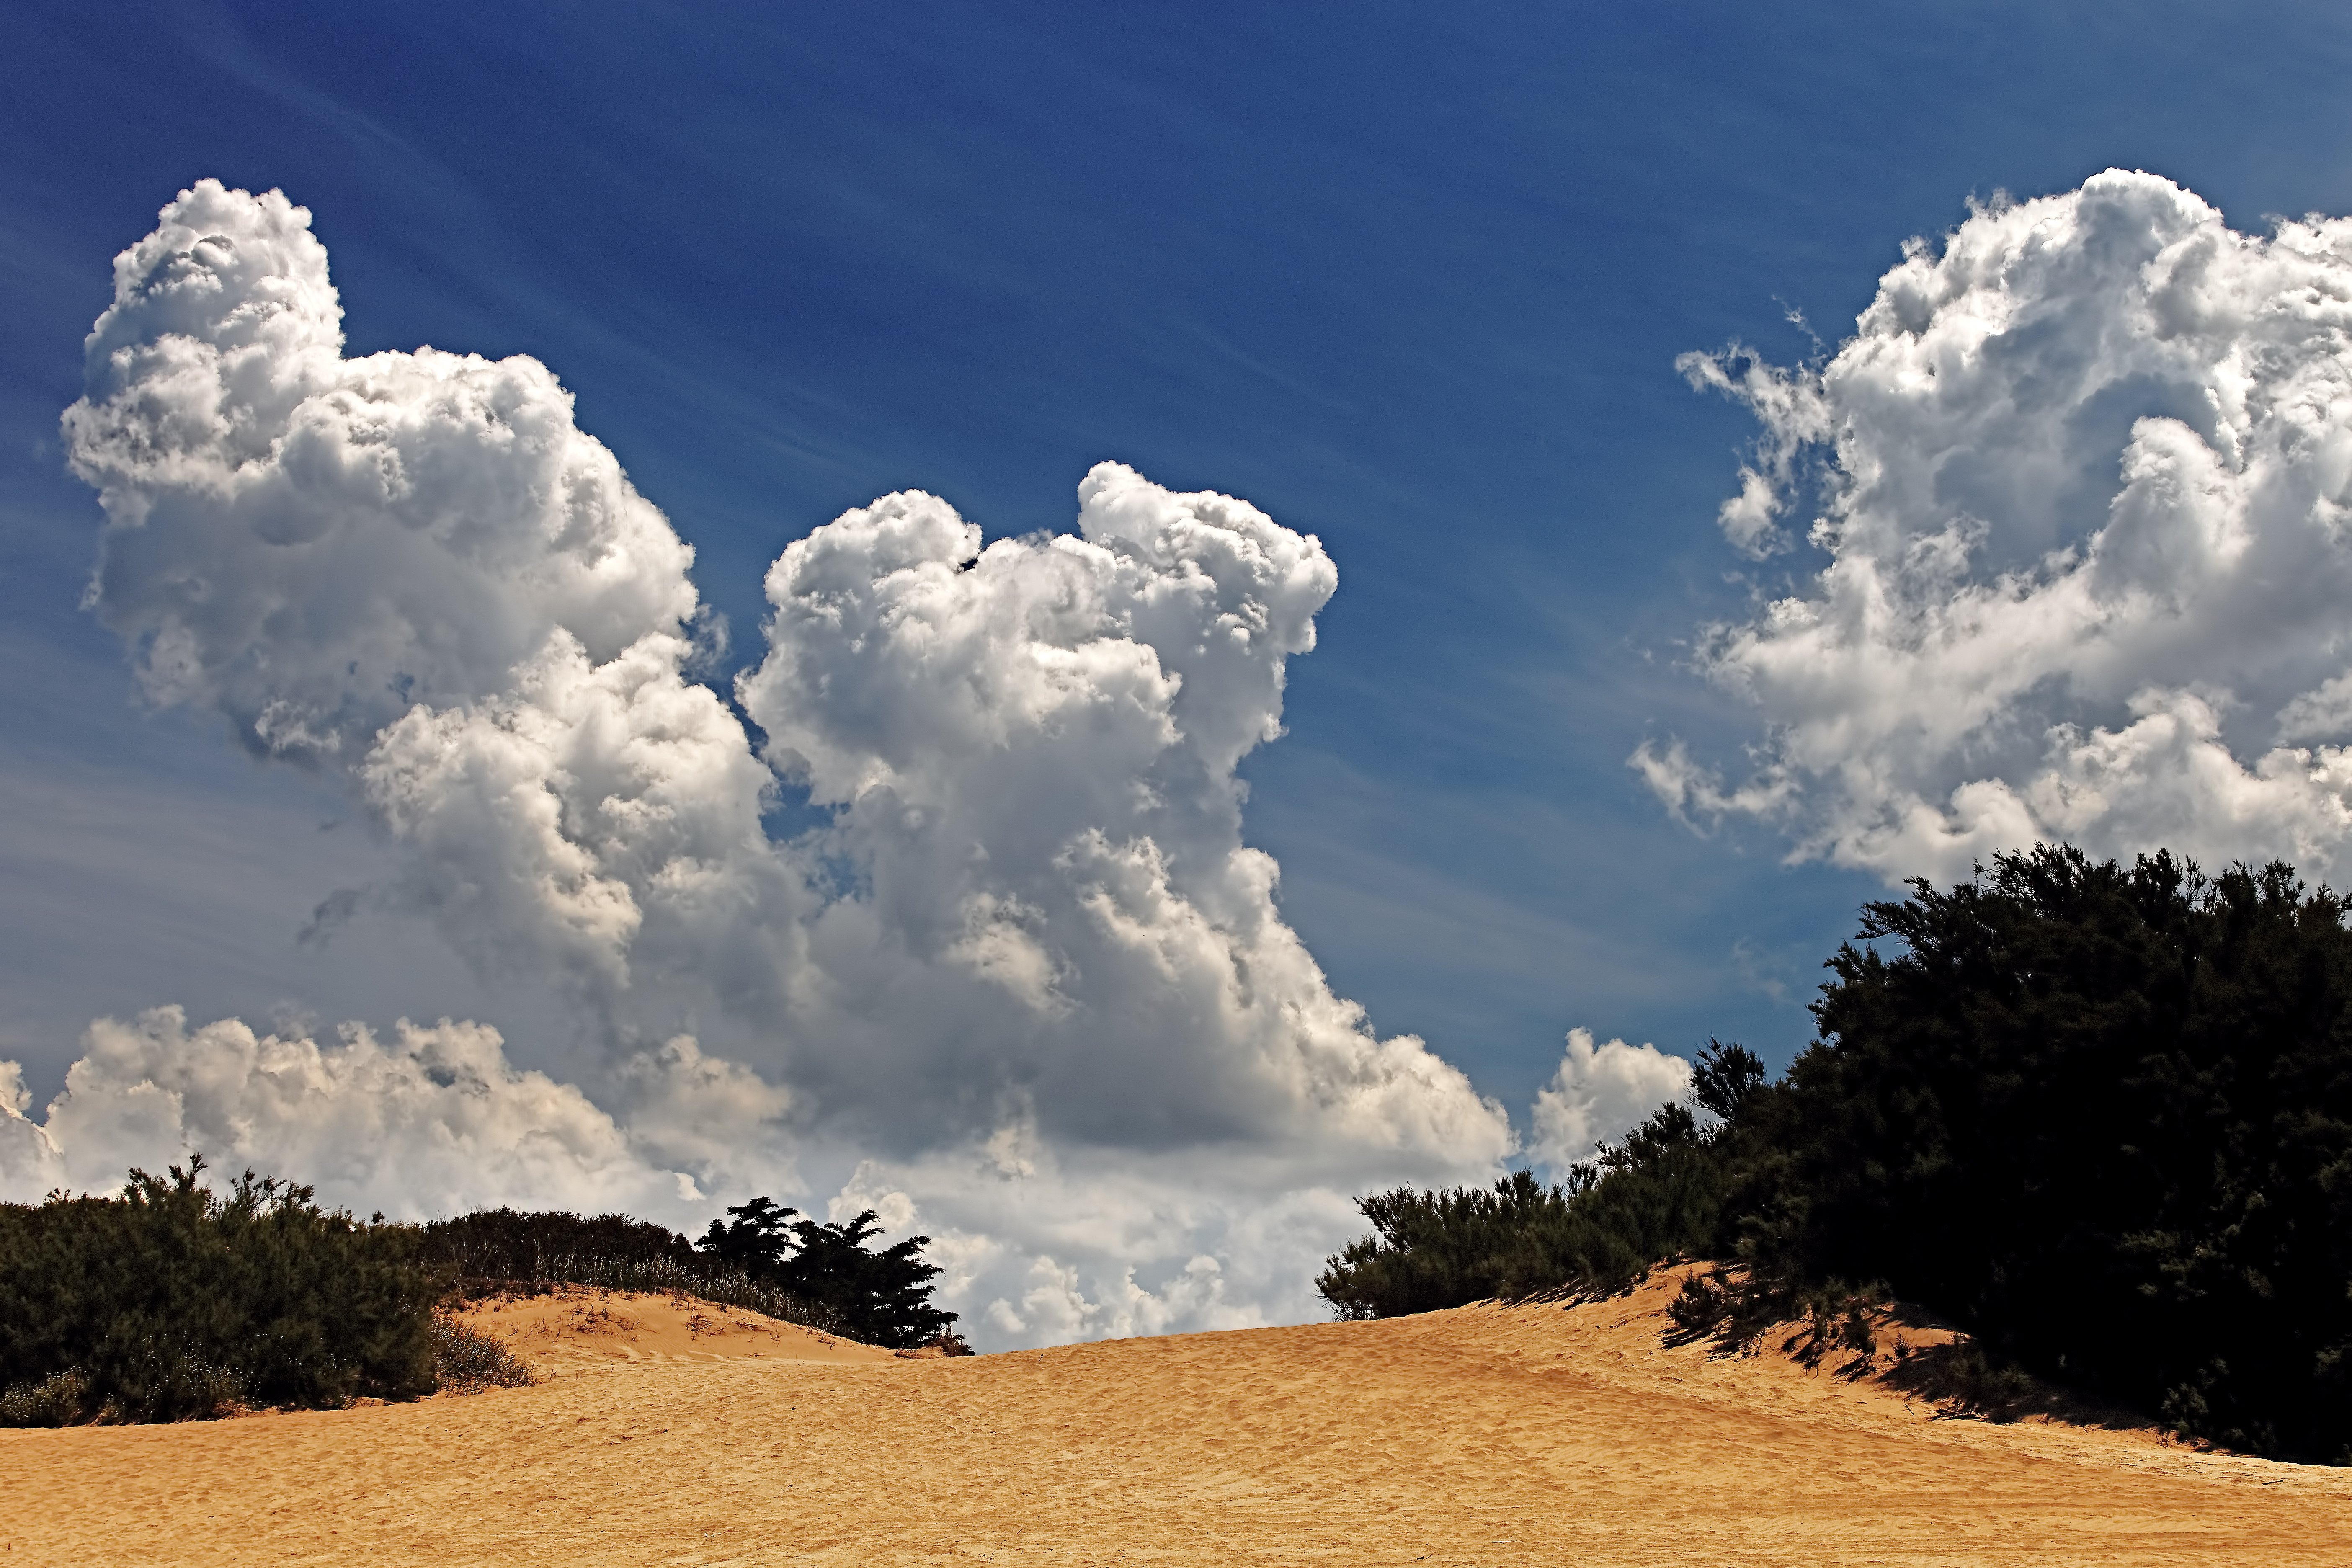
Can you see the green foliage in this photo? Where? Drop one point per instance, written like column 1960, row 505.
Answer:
column 466, row 1360
column 1658, row 1194
column 1726, row 1079
column 2102, row 1116
column 172, row 1302
column 1737, row 1306
column 1964, row 1377
column 882, row 1297
column 2099, row 1115
column 1431, row 1250
column 502, row 1250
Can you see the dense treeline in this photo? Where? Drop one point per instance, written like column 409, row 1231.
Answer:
column 174, row 1302
column 2100, row 1114
column 764, row 1256
column 1660, row 1194
column 496, row 1251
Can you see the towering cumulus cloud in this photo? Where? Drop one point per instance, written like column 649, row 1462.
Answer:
column 2083, row 476
column 1025, row 987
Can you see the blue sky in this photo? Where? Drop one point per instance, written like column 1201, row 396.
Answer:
column 1413, row 279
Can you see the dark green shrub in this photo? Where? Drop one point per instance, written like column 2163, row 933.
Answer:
column 172, row 1302
column 57, row 1400
column 1431, row 1250
column 504, row 1250
column 1657, row 1195
column 1970, row 1380
column 2101, row 1115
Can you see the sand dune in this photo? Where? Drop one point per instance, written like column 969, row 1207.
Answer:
column 1488, row 1434
column 578, row 1330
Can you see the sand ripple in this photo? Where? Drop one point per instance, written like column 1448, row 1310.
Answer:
column 1478, row 1436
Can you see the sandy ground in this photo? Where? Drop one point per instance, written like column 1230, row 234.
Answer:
column 1530, row 1435
column 587, row 1331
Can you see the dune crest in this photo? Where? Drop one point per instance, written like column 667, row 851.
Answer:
column 1533, row 1434
column 574, row 1329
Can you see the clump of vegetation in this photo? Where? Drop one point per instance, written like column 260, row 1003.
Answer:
column 1964, row 1378
column 1737, row 1308
column 764, row 1257
column 467, row 1361
column 2101, row 1115
column 57, row 1400
column 882, row 1297
column 505, row 1250
column 174, row 1302
column 1657, row 1195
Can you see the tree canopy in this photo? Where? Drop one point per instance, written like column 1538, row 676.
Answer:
column 2101, row 1114
column 883, row 1297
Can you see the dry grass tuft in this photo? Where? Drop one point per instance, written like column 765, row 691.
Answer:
column 467, row 1361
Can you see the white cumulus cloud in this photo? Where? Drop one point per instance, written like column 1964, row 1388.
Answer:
column 2083, row 474
column 435, row 1121
column 1600, row 1093
column 1027, row 988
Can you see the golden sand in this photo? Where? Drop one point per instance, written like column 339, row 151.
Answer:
column 1483, row 1435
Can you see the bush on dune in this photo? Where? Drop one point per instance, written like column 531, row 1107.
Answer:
column 764, row 1257
column 502, row 1248
column 2101, row 1115
column 1656, row 1195
column 172, row 1302
column 467, row 1361
column 507, row 1250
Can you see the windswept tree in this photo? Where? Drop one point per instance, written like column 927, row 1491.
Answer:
column 883, row 1296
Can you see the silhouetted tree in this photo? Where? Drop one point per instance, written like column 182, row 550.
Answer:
column 2103, row 1115
column 883, row 1297
column 1726, row 1078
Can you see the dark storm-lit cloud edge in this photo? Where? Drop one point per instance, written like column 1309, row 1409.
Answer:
column 1025, row 978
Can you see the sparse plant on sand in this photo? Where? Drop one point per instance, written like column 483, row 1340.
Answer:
column 467, row 1361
